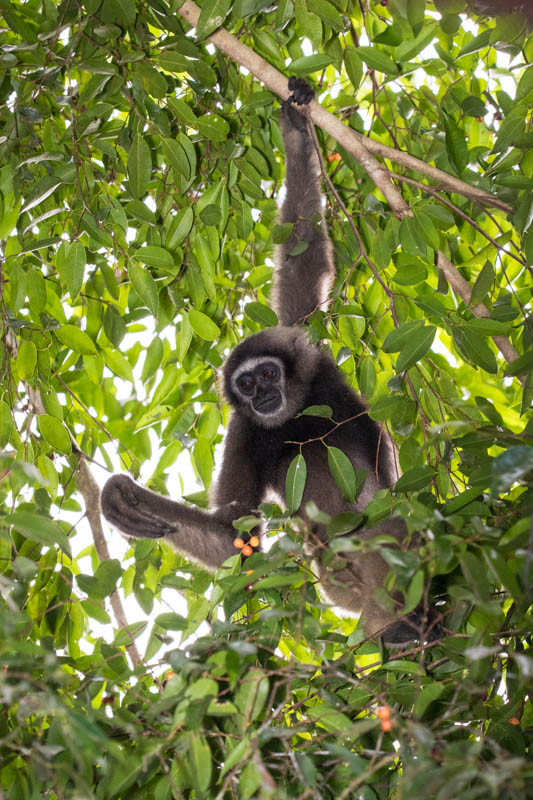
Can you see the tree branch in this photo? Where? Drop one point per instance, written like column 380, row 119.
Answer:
column 91, row 495
column 361, row 147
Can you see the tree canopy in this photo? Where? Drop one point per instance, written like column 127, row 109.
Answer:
column 140, row 168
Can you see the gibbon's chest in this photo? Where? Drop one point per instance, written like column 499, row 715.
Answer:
column 273, row 452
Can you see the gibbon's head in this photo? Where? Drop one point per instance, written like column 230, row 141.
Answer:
column 267, row 376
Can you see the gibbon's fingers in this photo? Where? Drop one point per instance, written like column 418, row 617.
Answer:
column 123, row 506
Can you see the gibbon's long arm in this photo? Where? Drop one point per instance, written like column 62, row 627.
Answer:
column 302, row 282
column 204, row 537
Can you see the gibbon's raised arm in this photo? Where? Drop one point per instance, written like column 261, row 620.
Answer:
column 302, row 282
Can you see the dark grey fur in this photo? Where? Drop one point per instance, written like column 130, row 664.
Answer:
column 284, row 373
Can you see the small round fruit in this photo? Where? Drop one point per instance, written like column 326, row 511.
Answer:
column 254, row 541
column 247, row 550
column 238, row 543
column 384, row 712
column 386, row 725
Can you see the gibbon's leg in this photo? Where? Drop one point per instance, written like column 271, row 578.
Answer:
column 302, row 282
column 204, row 537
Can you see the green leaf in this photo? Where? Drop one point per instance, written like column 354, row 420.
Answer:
column 398, row 338
column 154, row 256
column 70, row 264
column 38, row 528
column 212, row 16
column 509, row 467
column 415, row 479
column 199, row 762
column 139, row 166
column 104, row 580
column 521, row 365
column 210, row 214
column 376, row 59
column 415, row 346
column 475, row 575
column 428, row 694
column 306, row 65
column 6, row 423
column 455, row 144
column 415, row 14
column 76, row 339
column 26, row 360
column 179, row 229
column 343, row 472
column 172, row 622
column 353, row 65
column 203, row 326
column 118, row 364
column 54, row 433
column 367, row 376
column 484, row 326
column 343, row 523
column 144, row 285
column 414, row 592
column 295, row 483
column 177, row 158
column 213, row 127
column 260, row 313
column 329, row 718
column 328, row 13
column 317, row 411
column 482, row 284
column 479, row 42
column 501, row 571
column 475, row 349
column 252, row 693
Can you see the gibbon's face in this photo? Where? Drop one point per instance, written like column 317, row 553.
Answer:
column 259, row 384
column 267, row 377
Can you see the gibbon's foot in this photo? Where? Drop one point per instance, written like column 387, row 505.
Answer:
column 123, row 505
column 408, row 630
column 302, row 91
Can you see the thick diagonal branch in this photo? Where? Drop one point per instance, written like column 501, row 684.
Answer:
column 361, row 147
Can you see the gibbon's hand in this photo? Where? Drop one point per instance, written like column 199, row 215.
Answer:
column 302, row 91
column 130, row 508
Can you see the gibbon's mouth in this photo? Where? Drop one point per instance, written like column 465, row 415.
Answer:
column 267, row 404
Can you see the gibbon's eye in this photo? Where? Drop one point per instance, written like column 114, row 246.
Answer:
column 271, row 373
column 246, row 384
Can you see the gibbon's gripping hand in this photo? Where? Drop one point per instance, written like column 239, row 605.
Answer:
column 302, row 91
column 132, row 509
column 302, row 94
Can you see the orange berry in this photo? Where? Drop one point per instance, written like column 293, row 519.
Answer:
column 169, row 675
column 254, row 541
column 247, row 550
column 238, row 543
column 249, row 572
column 513, row 721
column 384, row 712
column 386, row 725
